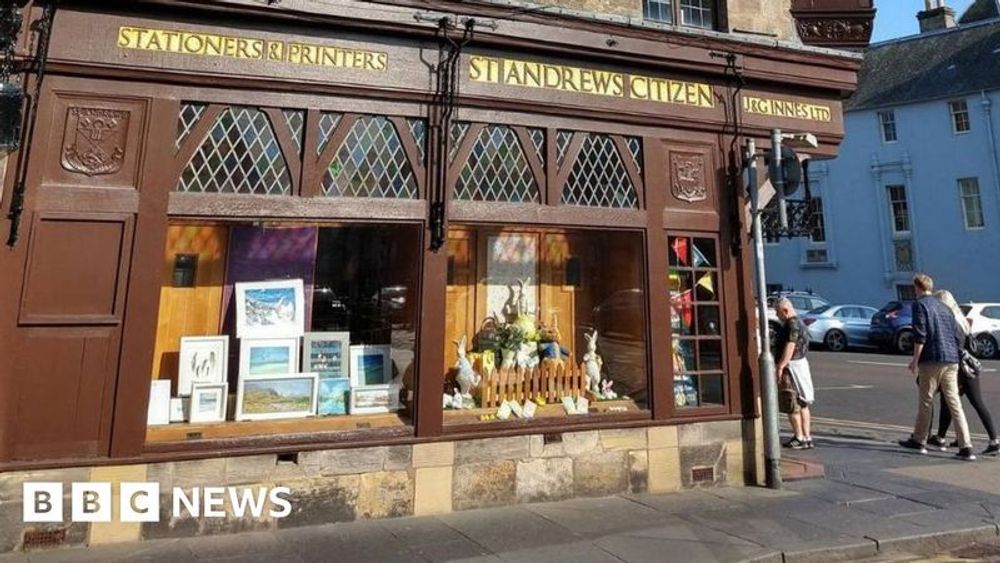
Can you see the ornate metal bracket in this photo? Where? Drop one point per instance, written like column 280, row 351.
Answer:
column 845, row 24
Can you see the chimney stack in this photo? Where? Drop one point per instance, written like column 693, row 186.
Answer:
column 935, row 16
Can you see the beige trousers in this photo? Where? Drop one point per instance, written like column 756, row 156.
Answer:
column 930, row 377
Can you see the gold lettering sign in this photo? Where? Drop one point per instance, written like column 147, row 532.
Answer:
column 589, row 81
column 775, row 107
column 211, row 45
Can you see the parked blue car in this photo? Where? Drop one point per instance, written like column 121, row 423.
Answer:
column 838, row 327
column 892, row 327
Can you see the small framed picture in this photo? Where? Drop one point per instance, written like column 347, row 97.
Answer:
column 327, row 353
column 203, row 359
column 268, row 356
column 334, row 396
column 270, row 309
column 208, row 402
column 374, row 399
column 291, row 395
column 371, row 365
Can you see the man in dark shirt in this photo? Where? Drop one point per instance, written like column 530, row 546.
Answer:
column 792, row 346
column 936, row 354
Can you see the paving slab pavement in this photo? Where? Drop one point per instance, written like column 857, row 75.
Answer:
column 876, row 503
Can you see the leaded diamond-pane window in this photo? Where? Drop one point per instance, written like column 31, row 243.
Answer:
column 239, row 155
column 497, row 169
column 458, row 131
column 189, row 117
column 635, row 148
column 538, row 140
column 327, row 124
column 599, row 177
column 296, row 121
column 562, row 144
column 418, row 128
column 371, row 163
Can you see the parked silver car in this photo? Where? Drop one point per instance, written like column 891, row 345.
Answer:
column 839, row 326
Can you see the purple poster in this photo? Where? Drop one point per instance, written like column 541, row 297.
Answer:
column 262, row 254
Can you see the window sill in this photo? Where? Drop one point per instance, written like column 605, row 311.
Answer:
column 829, row 265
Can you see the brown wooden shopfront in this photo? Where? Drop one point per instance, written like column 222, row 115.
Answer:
column 619, row 159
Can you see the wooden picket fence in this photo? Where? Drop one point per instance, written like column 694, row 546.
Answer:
column 549, row 380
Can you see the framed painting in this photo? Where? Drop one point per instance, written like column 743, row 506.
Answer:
column 371, row 365
column 374, row 399
column 203, row 359
column 270, row 309
column 209, row 402
column 334, row 396
column 292, row 395
column 327, row 353
column 268, row 356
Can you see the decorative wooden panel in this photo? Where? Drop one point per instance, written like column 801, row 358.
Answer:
column 95, row 143
column 76, row 269
column 461, row 298
column 63, row 401
column 194, row 310
column 558, row 295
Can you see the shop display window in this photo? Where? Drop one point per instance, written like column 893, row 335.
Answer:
column 696, row 322
column 284, row 328
column 544, row 323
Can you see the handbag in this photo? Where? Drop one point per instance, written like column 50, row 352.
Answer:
column 788, row 395
column 970, row 366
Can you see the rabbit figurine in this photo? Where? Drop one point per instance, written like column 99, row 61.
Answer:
column 592, row 363
column 467, row 378
column 607, row 390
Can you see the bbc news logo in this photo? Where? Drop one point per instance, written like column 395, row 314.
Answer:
column 140, row 502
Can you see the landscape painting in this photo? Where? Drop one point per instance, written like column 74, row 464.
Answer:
column 371, row 365
column 285, row 396
column 375, row 399
column 334, row 396
column 268, row 356
column 270, row 360
column 269, row 309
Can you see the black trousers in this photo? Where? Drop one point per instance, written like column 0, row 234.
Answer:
column 968, row 386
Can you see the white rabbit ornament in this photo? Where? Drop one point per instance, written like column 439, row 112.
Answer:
column 467, row 378
column 592, row 363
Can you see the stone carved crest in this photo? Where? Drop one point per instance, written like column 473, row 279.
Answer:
column 95, row 140
column 688, row 173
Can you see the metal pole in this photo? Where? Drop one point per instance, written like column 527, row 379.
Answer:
column 765, row 361
column 778, row 177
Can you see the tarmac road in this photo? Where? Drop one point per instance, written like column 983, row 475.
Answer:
column 878, row 390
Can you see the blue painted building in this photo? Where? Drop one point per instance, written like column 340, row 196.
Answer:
column 916, row 185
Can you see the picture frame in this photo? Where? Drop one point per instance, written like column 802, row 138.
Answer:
column 202, row 359
column 158, row 411
column 374, row 399
column 268, row 356
column 327, row 353
column 334, row 396
column 290, row 395
column 208, row 402
column 270, row 309
column 371, row 365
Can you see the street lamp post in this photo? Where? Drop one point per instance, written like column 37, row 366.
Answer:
column 765, row 361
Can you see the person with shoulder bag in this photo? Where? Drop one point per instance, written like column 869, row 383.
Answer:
column 795, row 394
column 969, row 370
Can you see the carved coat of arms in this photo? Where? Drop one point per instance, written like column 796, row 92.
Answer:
column 688, row 172
column 95, row 141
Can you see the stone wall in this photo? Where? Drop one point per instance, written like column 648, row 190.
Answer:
column 384, row 482
column 629, row 8
column 771, row 17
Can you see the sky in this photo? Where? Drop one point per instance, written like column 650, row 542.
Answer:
column 898, row 18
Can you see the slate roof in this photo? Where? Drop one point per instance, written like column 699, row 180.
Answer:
column 980, row 10
column 933, row 65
